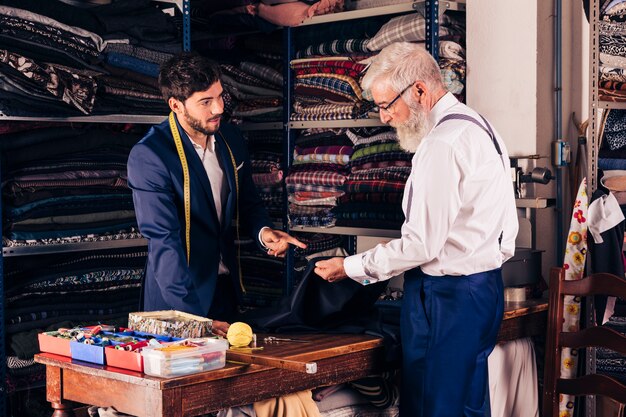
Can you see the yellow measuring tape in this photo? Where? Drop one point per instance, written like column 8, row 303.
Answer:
column 187, row 191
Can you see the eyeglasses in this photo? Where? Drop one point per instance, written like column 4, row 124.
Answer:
column 392, row 102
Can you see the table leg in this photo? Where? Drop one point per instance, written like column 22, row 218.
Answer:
column 62, row 410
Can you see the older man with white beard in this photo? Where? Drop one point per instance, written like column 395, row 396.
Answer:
column 460, row 226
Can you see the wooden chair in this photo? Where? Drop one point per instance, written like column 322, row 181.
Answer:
column 592, row 336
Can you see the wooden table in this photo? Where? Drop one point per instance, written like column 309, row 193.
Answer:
column 339, row 358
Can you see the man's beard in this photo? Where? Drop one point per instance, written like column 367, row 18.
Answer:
column 196, row 124
column 414, row 129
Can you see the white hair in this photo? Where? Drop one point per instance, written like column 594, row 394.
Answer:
column 401, row 64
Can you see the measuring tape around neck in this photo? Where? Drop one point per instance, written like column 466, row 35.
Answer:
column 187, row 192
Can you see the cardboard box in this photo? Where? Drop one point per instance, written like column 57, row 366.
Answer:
column 170, row 322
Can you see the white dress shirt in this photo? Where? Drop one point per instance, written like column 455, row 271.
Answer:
column 462, row 200
column 219, row 187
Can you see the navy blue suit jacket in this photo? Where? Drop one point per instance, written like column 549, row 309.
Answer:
column 156, row 178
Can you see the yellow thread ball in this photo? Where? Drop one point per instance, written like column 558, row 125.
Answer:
column 239, row 334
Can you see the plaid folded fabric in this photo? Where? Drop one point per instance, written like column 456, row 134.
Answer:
column 318, row 109
column 364, row 167
column 349, row 72
column 324, row 62
column 303, row 90
column 317, row 202
column 269, row 178
column 392, row 198
column 259, row 166
column 243, row 77
column 611, row 95
column 336, row 47
column 323, row 158
column 374, row 186
column 401, row 169
column 354, row 84
column 385, row 156
column 322, row 117
column 380, row 175
column 338, row 150
column 381, row 137
column 408, row 28
column 324, row 178
column 263, row 72
column 307, row 195
column 294, row 188
column 377, row 149
column 333, row 84
column 312, row 221
column 320, row 166
column 300, row 210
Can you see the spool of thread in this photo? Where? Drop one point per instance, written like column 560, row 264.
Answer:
column 239, row 334
column 88, row 341
column 514, row 294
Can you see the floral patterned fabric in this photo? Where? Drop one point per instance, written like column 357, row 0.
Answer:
column 574, row 265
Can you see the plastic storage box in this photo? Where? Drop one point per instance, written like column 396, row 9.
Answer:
column 173, row 360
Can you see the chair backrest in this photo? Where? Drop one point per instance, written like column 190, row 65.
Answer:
column 591, row 336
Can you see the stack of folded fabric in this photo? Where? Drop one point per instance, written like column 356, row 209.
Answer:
column 65, row 183
column 612, row 44
column 612, row 155
column 256, row 90
column 327, row 81
column 412, row 28
column 317, row 177
column 57, row 59
column 609, row 362
column 327, row 87
column 265, row 147
column 379, row 169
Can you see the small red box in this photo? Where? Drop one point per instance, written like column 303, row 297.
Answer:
column 123, row 359
column 53, row 344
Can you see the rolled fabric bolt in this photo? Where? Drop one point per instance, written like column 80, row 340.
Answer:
column 119, row 347
column 239, row 334
column 88, row 341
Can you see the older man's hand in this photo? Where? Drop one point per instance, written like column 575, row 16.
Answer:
column 331, row 269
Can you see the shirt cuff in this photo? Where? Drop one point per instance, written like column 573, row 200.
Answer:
column 261, row 240
column 353, row 265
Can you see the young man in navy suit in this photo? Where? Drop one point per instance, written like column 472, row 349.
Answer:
column 191, row 180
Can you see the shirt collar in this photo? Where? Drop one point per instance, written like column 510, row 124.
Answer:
column 441, row 107
column 210, row 144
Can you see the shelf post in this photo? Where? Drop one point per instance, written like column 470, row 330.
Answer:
column 186, row 25
column 432, row 27
column 288, row 145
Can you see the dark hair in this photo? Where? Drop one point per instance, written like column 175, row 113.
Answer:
column 186, row 74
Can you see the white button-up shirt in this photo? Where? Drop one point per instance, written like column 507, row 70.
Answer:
column 214, row 171
column 462, row 200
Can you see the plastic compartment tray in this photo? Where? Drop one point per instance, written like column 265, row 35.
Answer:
column 211, row 354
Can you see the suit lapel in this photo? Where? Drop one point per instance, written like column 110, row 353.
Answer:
column 195, row 166
column 229, row 172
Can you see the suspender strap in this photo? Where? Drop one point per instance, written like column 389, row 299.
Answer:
column 488, row 129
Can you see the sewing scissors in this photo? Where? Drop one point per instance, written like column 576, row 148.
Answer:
column 274, row 339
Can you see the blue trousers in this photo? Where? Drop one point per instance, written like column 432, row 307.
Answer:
column 449, row 327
